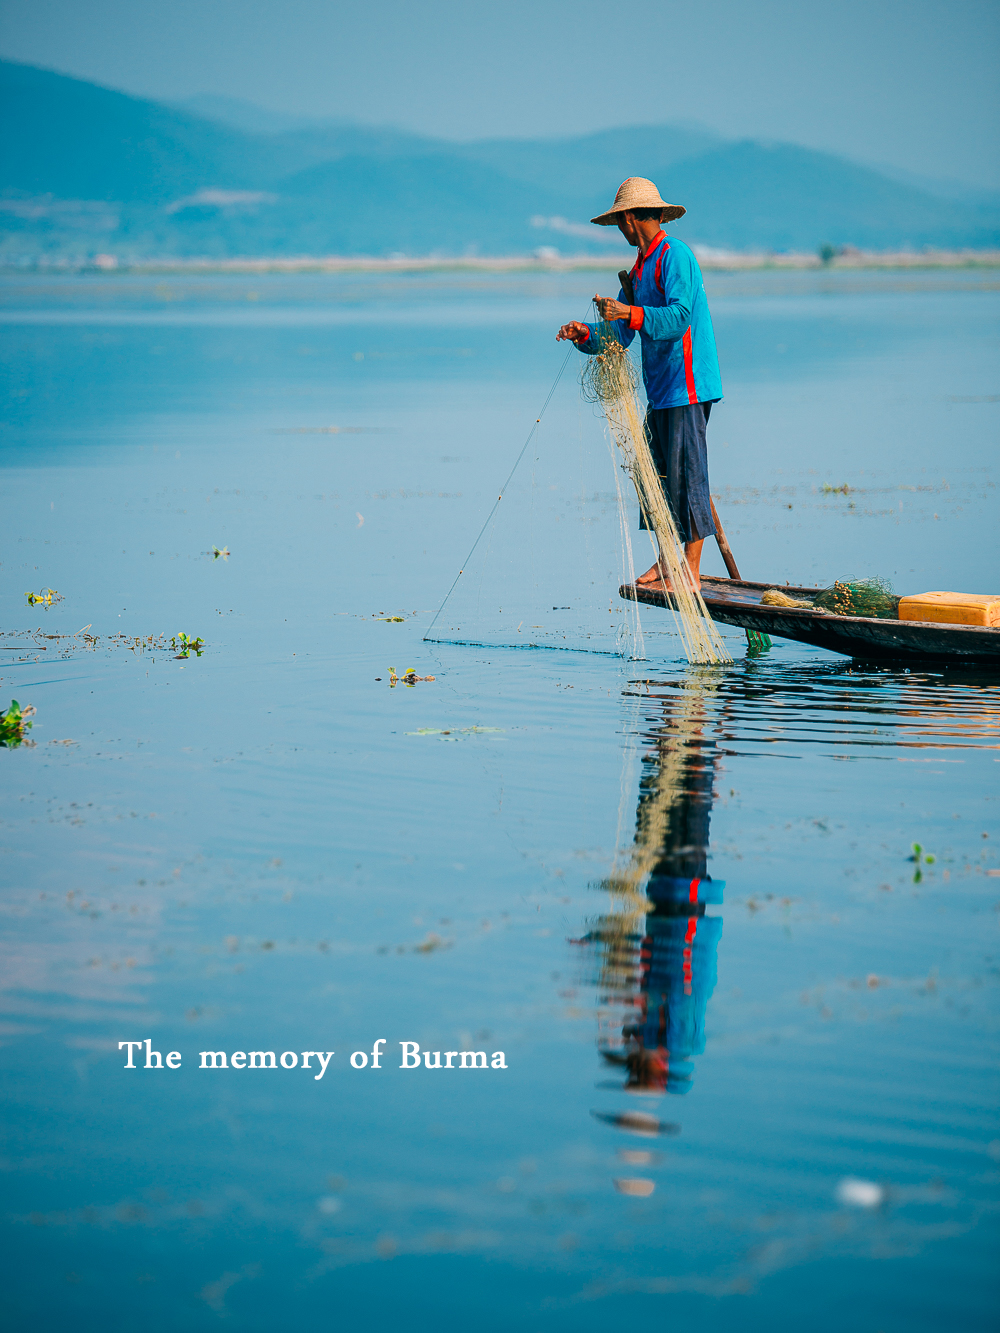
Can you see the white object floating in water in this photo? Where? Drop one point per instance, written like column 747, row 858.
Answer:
column 860, row 1193
column 640, row 1189
column 328, row 1204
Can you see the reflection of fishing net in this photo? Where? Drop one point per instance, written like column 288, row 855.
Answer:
column 619, row 930
column 610, row 379
column 860, row 597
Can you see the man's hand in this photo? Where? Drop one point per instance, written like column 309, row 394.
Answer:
column 608, row 309
column 574, row 332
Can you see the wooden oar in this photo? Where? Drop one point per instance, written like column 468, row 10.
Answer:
column 756, row 641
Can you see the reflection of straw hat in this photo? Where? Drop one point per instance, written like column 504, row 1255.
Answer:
column 637, row 192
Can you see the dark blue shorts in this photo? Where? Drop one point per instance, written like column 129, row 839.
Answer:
column 676, row 438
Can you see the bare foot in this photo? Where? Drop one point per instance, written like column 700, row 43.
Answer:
column 657, row 574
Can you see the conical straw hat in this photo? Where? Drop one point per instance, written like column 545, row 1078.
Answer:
column 637, row 192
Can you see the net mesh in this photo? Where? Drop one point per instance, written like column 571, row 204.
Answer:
column 860, row 597
column 610, row 379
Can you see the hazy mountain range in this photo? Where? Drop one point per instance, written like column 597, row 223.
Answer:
column 86, row 169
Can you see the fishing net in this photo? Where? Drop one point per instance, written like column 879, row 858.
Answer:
column 545, row 569
column 610, row 379
column 860, row 597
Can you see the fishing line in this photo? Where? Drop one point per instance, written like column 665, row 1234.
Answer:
column 489, row 516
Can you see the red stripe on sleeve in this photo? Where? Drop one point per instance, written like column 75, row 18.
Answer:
column 636, row 315
column 688, row 367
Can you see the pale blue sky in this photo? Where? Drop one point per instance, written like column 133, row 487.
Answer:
column 912, row 83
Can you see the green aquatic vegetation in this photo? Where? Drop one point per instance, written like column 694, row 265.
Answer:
column 184, row 645
column 46, row 597
column 14, row 724
column 920, row 858
column 409, row 677
column 827, row 489
column 220, row 550
column 392, row 620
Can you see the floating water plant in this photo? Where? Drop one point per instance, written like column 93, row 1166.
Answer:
column 217, row 551
column 610, row 379
column 185, row 646
column 920, row 858
column 409, row 677
column 14, row 724
column 44, row 598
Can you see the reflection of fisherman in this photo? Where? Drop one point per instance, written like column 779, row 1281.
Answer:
column 678, row 952
column 664, row 967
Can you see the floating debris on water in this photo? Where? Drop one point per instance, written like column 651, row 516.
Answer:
column 431, row 944
column 217, row 551
column 29, row 642
column 453, row 733
column 392, row 620
column 14, row 724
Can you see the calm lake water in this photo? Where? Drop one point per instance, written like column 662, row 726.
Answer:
column 269, row 847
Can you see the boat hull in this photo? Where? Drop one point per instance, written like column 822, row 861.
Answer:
column 737, row 602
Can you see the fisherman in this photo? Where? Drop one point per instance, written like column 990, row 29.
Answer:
column 680, row 366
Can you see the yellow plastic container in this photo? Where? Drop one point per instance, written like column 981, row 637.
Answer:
column 952, row 608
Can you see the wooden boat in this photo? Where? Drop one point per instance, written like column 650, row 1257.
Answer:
column 737, row 602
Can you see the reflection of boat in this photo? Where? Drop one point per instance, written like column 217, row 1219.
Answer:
column 737, row 602
column 656, row 948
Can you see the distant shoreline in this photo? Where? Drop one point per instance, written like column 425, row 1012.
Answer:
column 709, row 259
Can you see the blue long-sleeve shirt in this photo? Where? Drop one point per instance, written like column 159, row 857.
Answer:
column 680, row 363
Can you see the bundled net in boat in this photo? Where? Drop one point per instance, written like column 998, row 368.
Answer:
column 859, row 597
column 610, row 379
